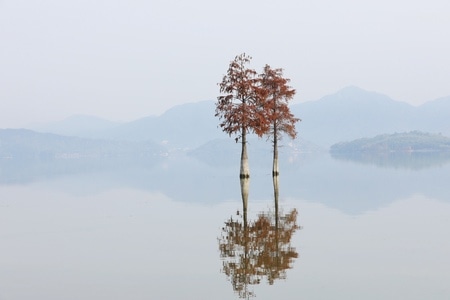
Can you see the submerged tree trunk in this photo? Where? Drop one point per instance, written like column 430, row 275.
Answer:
column 277, row 249
column 244, row 174
column 245, row 183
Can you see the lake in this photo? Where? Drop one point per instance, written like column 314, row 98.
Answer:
column 73, row 229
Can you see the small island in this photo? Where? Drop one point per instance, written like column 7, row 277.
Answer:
column 414, row 141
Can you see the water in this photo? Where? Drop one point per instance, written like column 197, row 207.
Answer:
column 130, row 231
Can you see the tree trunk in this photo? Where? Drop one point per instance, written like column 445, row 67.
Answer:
column 244, row 174
column 275, row 171
column 245, row 171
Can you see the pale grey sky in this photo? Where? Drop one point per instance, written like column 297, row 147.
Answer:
column 126, row 59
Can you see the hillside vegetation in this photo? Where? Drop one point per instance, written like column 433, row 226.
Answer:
column 414, row 141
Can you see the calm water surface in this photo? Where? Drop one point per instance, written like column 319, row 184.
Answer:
column 368, row 231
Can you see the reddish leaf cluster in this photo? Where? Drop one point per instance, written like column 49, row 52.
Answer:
column 239, row 106
column 277, row 94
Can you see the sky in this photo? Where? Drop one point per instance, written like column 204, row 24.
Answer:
column 126, row 59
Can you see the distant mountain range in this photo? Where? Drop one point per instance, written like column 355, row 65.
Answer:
column 26, row 144
column 354, row 113
column 349, row 114
column 184, row 126
column 76, row 125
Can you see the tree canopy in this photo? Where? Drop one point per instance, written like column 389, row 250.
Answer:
column 277, row 94
column 239, row 108
column 251, row 102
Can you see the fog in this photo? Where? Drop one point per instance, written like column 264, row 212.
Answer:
column 124, row 60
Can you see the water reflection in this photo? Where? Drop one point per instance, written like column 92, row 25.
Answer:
column 398, row 160
column 257, row 249
column 352, row 188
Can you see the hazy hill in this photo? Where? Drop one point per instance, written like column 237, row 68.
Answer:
column 414, row 141
column 412, row 150
column 352, row 113
column 76, row 125
column 186, row 125
column 434, row 116
column 28, row 144
column 349, row 114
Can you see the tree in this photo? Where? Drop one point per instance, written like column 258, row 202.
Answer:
column 239, row 107
column 277, row 94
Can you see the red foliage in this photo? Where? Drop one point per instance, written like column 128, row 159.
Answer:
column 255, row 103
column 277, row 94
column 239, row 107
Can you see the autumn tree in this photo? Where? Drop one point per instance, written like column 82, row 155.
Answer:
column 277, row 94
column 239, row 106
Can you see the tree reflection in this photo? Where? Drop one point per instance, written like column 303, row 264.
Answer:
column 256, row 250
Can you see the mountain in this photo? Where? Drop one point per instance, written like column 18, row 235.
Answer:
column 76, row 125
column 187, row 125
column 349, row 114
column 434, row 116
column 22, row 144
